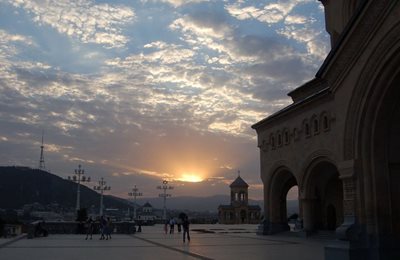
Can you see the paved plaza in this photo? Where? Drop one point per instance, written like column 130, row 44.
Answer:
column 207, row 242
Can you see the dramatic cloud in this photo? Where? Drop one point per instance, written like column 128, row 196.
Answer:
column 271, row 13
column 172, row 97
column 82, row 19
column 176, row 3
column 297, row 27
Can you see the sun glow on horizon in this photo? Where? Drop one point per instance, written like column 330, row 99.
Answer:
column 190, row 178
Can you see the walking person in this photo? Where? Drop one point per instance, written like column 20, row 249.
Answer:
column 108, row 228
column 103, row 224
column 139, row 226
column 166, row 226
column 89, row 228
column 171, row 226
column 185, row 225
column 179, row 224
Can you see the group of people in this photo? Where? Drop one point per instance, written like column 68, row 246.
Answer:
column 182, row 222
column 105, row 228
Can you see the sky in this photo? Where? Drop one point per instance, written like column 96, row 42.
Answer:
column 145, row 90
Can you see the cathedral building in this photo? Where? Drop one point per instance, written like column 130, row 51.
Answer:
column 239, row 211
column 339, row 140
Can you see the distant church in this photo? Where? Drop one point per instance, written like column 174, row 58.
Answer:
column 239, row 211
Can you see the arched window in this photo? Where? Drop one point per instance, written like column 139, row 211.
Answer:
column 316, row 126
column 295, row 134
column 307, row 129
column 279, row 139
column 286, row 136
column 325, row 124
column 272, row 141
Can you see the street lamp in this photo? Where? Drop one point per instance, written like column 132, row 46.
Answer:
column 135, row 193
column 164, row 195
column 79, row 177
column 101, row 187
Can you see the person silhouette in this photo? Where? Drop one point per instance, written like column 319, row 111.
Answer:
column 185, row 225
column 108, row 228
column 103, row 224
column 89, row 228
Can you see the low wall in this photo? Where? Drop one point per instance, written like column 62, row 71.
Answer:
column 72, row 227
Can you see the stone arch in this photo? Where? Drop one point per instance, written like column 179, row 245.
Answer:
column 280, row 182
column 313, row 159
column 372, row 140
column 349, row 8
column 377, row 148
column 379, row 61
column 322, row 190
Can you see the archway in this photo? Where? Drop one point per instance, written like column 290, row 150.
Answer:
column 323, row 201
column 385, row 161
column 377, row 147
column 243, row 215
column 331, row 217
column 394, row 164
column 293, row 209
column 282, row 181
column 372, row 141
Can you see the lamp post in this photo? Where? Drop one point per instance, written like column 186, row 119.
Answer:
column 79, row 177
column 101, row 187
column 135, row 193
column 164, row 195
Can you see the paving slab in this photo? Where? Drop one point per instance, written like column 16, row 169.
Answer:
column 207, row 242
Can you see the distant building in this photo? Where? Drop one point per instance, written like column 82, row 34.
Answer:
column 239, row 211
column 11, row 230
column 146, row 213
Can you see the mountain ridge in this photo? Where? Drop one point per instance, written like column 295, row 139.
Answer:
column 23, row 185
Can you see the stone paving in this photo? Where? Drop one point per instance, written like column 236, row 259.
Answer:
column 207, row 242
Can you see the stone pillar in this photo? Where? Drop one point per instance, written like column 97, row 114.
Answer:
column 348, row 230
column 308, row 215
column 264, row 227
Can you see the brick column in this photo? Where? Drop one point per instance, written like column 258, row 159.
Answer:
column 349, row 229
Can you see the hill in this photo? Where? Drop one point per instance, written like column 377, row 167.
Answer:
column 209, row 203
column 23, row 185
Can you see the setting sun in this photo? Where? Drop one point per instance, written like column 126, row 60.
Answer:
column 190, row 178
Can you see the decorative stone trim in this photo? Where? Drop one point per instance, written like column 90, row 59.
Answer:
column 318, row 123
